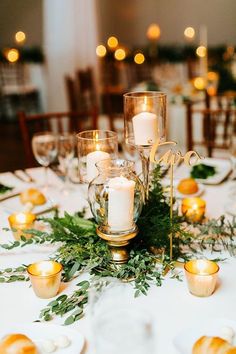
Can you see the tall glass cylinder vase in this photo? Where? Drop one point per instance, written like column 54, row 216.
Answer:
column 145, row 125
column 94, row 146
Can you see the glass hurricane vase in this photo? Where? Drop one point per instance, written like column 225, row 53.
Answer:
column 116, row 197
column 145, row 125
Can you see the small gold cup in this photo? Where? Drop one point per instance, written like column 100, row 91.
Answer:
column 201, row 275
column 193, row 209
column 20, row 222
column 45, row 278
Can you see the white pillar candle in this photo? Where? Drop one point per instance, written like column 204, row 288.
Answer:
column 120, row 203
column 145, row 126
column 91, row 160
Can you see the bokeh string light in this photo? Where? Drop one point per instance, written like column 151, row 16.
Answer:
column 20, row 37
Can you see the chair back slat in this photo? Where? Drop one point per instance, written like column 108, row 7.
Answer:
column 218, row 124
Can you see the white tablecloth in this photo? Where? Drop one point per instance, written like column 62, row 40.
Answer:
column 171, row 305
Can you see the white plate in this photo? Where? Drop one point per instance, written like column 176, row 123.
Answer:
column 230, row 208
column 14, row 205
column 185, row 340
column 223, row 168
column 39, row 332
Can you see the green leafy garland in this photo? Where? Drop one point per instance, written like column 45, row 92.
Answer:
column 83, row 251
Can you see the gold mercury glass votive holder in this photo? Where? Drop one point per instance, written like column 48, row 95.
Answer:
column 45, row 278
column 20, row 222
column 193, row 209
column 201, row 275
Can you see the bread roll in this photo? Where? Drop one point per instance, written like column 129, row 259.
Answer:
column 17, row 344
column 33, row 196
column 212, row 345
column 187, row 186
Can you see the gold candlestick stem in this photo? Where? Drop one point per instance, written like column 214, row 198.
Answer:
column 171, row 209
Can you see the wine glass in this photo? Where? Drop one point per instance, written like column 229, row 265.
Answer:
column 118, row 324
column 66, row 149
column 44, row 145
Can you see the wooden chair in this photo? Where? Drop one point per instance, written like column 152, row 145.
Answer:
column 16, row 91
column 72, row 95
column 86, row 89
column 57, row 122
column 217, row 124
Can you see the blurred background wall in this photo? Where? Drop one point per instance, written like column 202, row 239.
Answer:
column 127, row 19
column 24, row 15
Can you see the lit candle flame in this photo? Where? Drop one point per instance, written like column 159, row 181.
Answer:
column 97, row 145
column 21, row 218
column 195, row 207
column 45, row 268
column 144, row 105
column 201, row 266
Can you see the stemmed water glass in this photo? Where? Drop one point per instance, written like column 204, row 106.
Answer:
column 44, row 145
column 118, row 325
column 66, row 149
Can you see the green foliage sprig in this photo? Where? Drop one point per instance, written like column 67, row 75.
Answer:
column 81, row 250
column 65, row 304
column 10, row 275
column 4, row 188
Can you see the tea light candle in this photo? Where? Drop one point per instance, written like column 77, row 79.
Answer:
column 201, row 275
column 91, row 160
column 21, row 222
column 120, row 203
column 193, row 209
column 45, row 278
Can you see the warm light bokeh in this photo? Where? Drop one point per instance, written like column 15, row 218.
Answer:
column 20, row 37
column 212, row 76
column 112, row 42
column 139, row 58
column 201, row 51
column 12, row 55
column 153, row 32
column 199, row 83
column 189, row 32
column 120, row 54
column 101, row 50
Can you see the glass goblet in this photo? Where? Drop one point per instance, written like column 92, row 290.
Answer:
column 66, row 149
column 44, row 145
column 118, row 324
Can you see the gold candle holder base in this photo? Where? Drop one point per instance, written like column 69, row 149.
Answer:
column 118, row 245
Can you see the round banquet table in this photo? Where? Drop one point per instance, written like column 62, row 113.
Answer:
column 173, row 308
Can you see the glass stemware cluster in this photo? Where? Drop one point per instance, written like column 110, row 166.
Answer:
column 47, row 146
